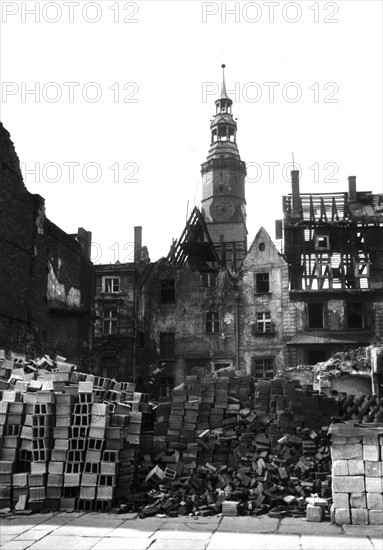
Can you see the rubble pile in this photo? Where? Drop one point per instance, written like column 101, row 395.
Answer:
column 357, row 469
column 69, row 440
column 221, row 444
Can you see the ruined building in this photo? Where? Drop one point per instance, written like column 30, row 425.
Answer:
column 211, row 303
column 45, row 274
column 333, row 244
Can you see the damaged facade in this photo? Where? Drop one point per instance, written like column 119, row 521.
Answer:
column 45, row 275
column 212, row 303
column 333, row 244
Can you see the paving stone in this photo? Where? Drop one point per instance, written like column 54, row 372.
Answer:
column 262, row 541
column 363, row 530
column 300, row 526
column 328, row 542
column 184, row 544
column 114, row 543
column 181, row 533
column 54, row 542
column 16, row 544
column 249, row 525
column 86, row 530
column 34, row 534
column 186, row 527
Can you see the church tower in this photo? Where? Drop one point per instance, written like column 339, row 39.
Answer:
column 223, row 184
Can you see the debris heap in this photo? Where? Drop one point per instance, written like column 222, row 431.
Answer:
column 221, row 444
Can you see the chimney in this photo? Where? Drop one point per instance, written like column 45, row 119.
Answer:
column 137, row 244
column 85, row 239
column 296, row 201
column 352, row 188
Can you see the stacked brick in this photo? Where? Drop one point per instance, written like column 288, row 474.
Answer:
column 213, row 452
column 357, row 481
column 69, row 440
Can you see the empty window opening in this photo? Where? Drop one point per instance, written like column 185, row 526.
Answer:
column 168, row 290
column 316, row 356
column 355, row 315
column 262, row 283
column 315, row 315
column 167, row 345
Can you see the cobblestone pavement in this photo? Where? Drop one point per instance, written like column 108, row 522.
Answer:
column 87, row 531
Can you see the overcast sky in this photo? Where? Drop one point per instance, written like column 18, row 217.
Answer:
column 125, row 92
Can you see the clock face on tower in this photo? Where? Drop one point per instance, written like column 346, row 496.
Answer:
column 222, row 209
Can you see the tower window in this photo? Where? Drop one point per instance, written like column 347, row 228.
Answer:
column 212, row 322
column 168, row 290
column 221, row 188
column 262, row 283
column 315, row 315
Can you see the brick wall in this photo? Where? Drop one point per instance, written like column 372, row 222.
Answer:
column 31, row 321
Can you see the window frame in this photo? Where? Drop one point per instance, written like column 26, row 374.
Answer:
column 112, row 289
column 209, row 279
column 259, row 282
column 212, row 325
column 110, row 319
column 271, row 363
column 263, row 323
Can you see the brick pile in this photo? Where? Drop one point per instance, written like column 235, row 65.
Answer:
column 365, row 408
column 69, row 440
column 221, row 446
column 357, row 482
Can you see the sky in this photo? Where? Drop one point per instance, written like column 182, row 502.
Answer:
column 109, row 104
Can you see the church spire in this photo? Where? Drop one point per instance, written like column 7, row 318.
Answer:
column 223, row 87
column 223, row 127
